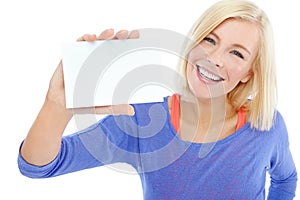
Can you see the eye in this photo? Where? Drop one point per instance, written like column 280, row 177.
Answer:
column 238, row 54
column 210, row 40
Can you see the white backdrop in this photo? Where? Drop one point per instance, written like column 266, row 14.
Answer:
column 31, row 35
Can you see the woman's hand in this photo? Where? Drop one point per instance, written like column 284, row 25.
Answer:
column 109, row 34
column 56, row 91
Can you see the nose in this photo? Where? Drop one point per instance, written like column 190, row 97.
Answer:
column 215, row 58
column 212, row 62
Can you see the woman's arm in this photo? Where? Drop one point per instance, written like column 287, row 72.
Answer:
column 282, row 170
column 43, row 140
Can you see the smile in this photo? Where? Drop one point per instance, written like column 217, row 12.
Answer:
column 208, row 75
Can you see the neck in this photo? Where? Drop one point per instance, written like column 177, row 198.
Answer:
column 214, row 110
column 206, row 116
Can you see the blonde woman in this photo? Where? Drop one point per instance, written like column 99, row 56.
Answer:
column 216, row 140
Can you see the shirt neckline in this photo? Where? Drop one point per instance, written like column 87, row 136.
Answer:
column 218, row 142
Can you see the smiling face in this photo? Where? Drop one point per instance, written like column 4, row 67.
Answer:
column 223, row 59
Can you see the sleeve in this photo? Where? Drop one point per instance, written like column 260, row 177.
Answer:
column 105, row 142
column 282, row 171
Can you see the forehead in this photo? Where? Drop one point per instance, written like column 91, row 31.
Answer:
column 238, row 31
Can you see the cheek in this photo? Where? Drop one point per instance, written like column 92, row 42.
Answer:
column 198, row 89
column 236, row 75
column 197, row 53
column 191, row 79
column 236, row 69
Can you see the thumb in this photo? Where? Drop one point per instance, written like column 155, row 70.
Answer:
column 121, row 109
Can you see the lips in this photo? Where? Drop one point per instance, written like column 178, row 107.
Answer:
column 208, row 76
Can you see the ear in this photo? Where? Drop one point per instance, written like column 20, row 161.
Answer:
column 247, row 77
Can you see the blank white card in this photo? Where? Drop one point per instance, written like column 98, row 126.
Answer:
column 119, row 72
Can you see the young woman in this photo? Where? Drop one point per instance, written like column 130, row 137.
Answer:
column 216, row 140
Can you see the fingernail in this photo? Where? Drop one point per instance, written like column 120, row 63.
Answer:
column 131, row 111
column 92, row 37
column 134, row 34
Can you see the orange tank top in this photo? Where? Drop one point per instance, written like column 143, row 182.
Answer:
column 175, row 114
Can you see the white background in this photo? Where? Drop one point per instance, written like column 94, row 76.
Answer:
column 31, row 35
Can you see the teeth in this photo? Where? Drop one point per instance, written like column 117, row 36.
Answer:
column 208, row 75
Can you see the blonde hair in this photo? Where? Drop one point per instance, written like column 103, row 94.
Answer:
column 262, row 86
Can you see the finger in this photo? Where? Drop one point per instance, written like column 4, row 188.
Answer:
column 122, row 109
column 134, row 34
column 87, row 37
column 106, row 34
column 121, row 35
column 92, row 110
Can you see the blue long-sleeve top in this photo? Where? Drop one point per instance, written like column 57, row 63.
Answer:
column 232, row 168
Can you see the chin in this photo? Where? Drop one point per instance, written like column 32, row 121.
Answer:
column 204, row 92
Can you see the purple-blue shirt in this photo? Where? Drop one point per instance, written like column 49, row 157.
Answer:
column 232, row 168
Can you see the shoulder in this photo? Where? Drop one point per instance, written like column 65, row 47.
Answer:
column 279, row 130
column 276, row 134
column 278, row 122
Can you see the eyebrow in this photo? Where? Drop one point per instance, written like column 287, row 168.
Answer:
column 235, row 45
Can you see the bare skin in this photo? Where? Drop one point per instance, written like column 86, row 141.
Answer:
column 43, row 140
